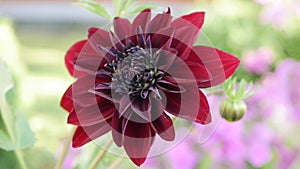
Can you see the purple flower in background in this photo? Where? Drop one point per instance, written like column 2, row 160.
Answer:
column 258, row 61
column 183, row 156
column 279, row 12
column 284, row 102
column 272, row 121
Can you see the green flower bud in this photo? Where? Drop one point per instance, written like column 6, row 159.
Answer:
column 232, row 110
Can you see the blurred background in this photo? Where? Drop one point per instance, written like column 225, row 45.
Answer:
column 264, row 34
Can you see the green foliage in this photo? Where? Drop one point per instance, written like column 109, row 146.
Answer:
column 15, row 133
column 121, row 7
column 141, row 7
column 94, row 7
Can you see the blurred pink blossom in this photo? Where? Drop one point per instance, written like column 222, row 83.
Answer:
column 278, row 13
column 258, row 61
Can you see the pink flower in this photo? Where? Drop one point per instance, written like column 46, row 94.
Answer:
column 258, row 61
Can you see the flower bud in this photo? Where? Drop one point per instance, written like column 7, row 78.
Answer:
column 232, row 110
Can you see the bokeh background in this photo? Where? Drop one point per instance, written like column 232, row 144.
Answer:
column 264, row 34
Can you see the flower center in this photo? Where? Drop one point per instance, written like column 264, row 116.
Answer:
column 134, row 72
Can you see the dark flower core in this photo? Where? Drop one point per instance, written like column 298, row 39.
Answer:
column 134, row 72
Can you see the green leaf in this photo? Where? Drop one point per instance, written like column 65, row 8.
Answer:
column 241, row 89
column 142, row 7
column 5, row 142
column 94, row 7
column 117, row 5
column 24, row 135
column 15, row 133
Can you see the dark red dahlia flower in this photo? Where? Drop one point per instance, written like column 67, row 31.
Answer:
column 130, row 80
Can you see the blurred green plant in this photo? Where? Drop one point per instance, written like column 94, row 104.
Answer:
column 15, row 133
column 121, row 7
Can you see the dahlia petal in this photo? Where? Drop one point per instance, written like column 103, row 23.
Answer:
column 99, row 36
column 72, row 55
column 140, row 37
column 83, row 84
column 84, row 135
column 66, row 101
column 179, row 106
column 168, row 86
column 219, row 64
column 117, row 129
column 165, row 58
column 141, row 20
column 160, row 21
column 138, row 140
column 87, row 99
column 200, row 73
column 161, row 37
column 92, row 115
column 183, row 41
column 164, row 127
column 121, row 27
column 124, row 104
column 141, row 107
column 90, row 64
column 196, row 19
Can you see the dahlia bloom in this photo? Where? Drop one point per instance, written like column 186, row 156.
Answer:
column 131, row 79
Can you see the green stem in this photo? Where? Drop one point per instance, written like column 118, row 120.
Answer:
column 20, row 158
column 10, row 130
column 215, row 92
column 100, row 156
column 116, row 163
column 64, row 151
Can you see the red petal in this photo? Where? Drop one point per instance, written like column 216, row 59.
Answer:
column 163, row 36
column 138, row 140
column 100, row 37
column 160, row 21
column 164, row 127
column 66, row 101
column 141, row 107
column 200, row 73
column 116, row 128
column 196, row 109
column 122, row 28
column 197, row 19
column 168, row 84
column 141, row 20
column 84, row 135
column 72, row 55
column 81, row 90
column 92, row 115
column 219, row 64
column 184, row 41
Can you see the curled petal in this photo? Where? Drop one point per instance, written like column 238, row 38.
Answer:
column 72, row 55
column 84, row 135
column 117, row 129
column 141, row 107
column 138, row 140
column 164, row 127
column 66, row 101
